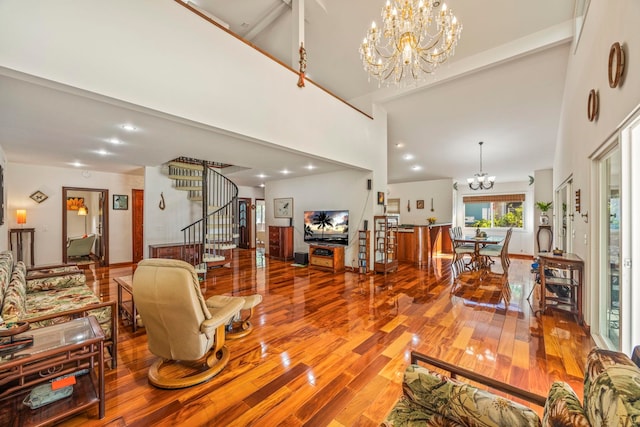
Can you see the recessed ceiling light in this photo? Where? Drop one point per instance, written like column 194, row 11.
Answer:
column 129, row 127
column 310, row 167
column 77, row 164
column 285, row 172
column 416, row 167
column 261, row 175
column 103, row 152
column 262, row 185
column 399, row 145
column 114, row 141
column 408, row 156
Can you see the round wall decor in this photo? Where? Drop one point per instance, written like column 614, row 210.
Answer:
column 593, row 105
column 616, row 65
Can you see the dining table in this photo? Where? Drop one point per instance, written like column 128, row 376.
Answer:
column 477, row 261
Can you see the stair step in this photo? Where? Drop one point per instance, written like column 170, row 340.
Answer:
column 188, row 188
column 195, row 198
column 189, row 166
column 220, row 246
column 186, row 177
column 212, row 258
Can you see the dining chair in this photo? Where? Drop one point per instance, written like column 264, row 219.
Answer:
column 459, row 251
column 496, row 251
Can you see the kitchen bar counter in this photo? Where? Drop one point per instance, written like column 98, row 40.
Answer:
column 418, row 243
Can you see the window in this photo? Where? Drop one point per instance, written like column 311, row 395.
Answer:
column 495, row 211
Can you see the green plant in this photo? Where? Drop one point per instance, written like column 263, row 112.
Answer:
column 544, row 206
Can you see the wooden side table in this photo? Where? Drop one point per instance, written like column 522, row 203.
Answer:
column 569, row 272
column 127, row 307
column 545, row 229
column 67, row 348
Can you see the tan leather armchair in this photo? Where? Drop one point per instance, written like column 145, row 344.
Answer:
column 181, row 330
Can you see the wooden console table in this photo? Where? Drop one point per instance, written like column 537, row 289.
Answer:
column 329, row 258
column 58, row 350
column 20, row 240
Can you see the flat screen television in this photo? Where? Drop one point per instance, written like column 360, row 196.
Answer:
column 327, row 227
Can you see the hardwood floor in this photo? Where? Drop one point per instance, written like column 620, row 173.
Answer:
column 330, row 350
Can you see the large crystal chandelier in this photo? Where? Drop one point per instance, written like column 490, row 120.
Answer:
column 415, row 38
column 481, row 180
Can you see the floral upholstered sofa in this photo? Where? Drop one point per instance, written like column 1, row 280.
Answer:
column 611, row 398
column 53, row 295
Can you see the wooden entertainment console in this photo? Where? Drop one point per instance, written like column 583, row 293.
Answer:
column 330, row 258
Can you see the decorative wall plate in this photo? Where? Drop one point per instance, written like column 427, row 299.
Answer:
column 593, row 105
column 616, row 65
column 39, row 196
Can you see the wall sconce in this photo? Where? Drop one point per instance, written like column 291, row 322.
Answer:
column 21, row 216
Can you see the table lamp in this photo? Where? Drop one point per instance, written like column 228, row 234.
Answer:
column 21, row 216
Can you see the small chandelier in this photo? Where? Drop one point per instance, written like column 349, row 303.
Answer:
column 481, row 180
column 414, row 40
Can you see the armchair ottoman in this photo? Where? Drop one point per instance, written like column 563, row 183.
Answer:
column 238, row 326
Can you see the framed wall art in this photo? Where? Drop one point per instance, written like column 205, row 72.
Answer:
column 120, row 202
column 419, row 204
column 380, row 198
column 283, row 208
column 38, row 197
column 74, row 203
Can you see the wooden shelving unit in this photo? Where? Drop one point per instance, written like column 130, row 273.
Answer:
column 385, row 228
column 364, row 265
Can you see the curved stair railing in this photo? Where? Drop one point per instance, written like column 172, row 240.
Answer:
column 210, row 240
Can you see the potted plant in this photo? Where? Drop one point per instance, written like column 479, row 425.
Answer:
column 544, row 208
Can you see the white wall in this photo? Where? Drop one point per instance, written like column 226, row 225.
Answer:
column 543, row 192
column 441, row 191
column 606, row 22
column 521, row 240
column 4, row 228
column 175, row 62
column 333, row 191
column 22, row 180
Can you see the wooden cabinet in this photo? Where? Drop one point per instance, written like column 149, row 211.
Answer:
column 330, row 258
column 281, row 242
column 561, row 279
column 385, row 229
column 364, row 265
column 173, row 251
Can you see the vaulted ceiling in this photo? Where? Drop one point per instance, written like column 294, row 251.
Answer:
column 504, row 86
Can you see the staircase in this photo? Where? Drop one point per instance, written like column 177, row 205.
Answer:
column 209, row 241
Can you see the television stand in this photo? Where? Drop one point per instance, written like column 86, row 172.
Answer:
column 330, row 258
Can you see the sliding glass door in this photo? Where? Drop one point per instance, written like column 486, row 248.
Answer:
column 610, row 249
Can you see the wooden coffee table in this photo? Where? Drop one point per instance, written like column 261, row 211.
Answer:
column 126, row 305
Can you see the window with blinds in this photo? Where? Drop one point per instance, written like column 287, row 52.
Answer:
column 494, row 211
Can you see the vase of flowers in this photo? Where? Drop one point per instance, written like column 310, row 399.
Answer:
column 431, row 220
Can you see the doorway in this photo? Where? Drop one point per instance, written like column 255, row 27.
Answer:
column 244, row 222
column 261, row 229
column 84, row 213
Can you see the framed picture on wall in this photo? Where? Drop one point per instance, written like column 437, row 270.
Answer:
column 419, row 204
column 283, row 208
column 74, row 203
column 380, row 198
column 120, row 202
